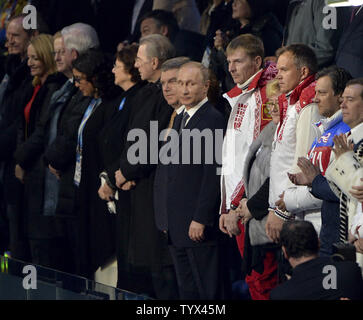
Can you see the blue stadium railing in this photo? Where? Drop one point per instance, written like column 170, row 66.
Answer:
column 22, row 281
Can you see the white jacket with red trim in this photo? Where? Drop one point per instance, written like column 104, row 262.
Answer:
column 249, row 115
column 293, row 138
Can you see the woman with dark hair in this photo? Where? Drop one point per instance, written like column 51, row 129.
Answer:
column 250, row 16
column 111, row 143
column 95, row 244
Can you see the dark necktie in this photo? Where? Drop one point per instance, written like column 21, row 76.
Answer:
column 184, row 121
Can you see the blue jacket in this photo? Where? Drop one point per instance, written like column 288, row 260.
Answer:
column 320, row 153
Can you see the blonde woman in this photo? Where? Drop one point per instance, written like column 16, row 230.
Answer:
column 41, row 229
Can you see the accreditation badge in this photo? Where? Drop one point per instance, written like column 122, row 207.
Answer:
column 266, row 115
column 77, row 173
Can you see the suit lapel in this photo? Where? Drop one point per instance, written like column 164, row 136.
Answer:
column 197, row 117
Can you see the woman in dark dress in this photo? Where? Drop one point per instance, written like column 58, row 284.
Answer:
column 94, row 242
column 112, row 140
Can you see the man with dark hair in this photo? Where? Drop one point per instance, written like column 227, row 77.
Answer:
column 313, row 277
column 187, row 43
column 328, row 94
column 296, row 66
column 345, row 174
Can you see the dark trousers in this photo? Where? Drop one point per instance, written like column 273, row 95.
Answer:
column 19, row 245
column 49, row 253
column 199, row 272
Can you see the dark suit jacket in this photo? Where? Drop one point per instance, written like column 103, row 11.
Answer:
column 307, row 282
column 187, row 192
column 349, row 53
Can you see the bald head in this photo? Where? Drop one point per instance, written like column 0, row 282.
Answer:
column 17, row 39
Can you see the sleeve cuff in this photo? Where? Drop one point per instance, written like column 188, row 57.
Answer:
column 284, row 215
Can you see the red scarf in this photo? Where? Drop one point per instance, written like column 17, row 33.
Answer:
column 30, row 103
column 299, row 93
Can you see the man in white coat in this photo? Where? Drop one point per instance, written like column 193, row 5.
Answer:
column 297, row 65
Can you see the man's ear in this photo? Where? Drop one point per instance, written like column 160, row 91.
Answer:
column 164, row 31
column 155, row 63
column 74, row 54
column 304, row 73
column 35, row 34
column 258, row 62
column 207, row 85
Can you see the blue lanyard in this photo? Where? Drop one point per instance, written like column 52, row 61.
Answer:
column 92, row 106
column 122, row 104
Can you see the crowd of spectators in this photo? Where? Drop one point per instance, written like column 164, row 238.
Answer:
column 203, row 145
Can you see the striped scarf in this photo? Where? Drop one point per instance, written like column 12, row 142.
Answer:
column 344, row 201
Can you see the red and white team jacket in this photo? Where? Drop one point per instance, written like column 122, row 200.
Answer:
column 294, row 136
column 249, row 115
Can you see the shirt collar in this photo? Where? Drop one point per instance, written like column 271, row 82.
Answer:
column 357, row 133
column 180, row 110
column 246, row 84
column 327, row 123
column 193, row 110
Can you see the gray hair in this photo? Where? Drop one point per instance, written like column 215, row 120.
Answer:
column 203, row 70
column 175, row 63
column 158, row 46
column 80, row 37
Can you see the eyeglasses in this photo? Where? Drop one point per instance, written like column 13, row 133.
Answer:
column 78, row 79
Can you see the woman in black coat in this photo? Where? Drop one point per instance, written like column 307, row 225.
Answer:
column 42, row 231
column 112, row 140
column 94, row 243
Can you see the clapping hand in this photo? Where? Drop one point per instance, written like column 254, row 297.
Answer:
column 307, row 175
column 357, row 192
column 341, row 145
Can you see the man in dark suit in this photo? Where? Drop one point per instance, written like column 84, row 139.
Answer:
column 190, row 196
column 313, row 277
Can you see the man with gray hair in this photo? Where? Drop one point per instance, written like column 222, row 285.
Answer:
column 80, row 37
column 147, row 246
column 168, row 79
column 169, row 83
column 48, row 141
column 154, row 50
